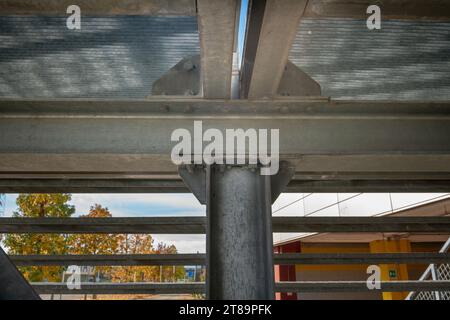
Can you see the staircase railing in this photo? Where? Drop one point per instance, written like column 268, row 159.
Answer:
column 434, row 272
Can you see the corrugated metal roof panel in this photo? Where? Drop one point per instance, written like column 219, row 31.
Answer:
column 402, row 61
column 110, row 57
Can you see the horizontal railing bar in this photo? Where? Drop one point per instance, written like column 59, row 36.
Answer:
column 361, row 286
column 360, row 258
column 153, row 225
column 196, row 225
column 121, row 288
column 199, row 259
column 110, row 260
column 198, row 287
column 361, row 224
column 311, row 183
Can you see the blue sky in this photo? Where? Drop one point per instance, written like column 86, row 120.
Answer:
column 242, row 24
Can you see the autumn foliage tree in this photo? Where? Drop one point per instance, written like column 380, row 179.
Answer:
column 57, row 205
column 41, row 205
column 94, row 243
column 168, row 273
column 134, row 244
column 143, row 244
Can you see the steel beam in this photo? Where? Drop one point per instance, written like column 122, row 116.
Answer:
column 13, row 284
column 190, row 288
column 217, row 28
column 99, row 7
column 197, row 225
column 145, row 185
column 153, row 225
column 121, row 288
column 90, row 185
column 360, row 258
column 390, row 9
column 361, row 224
column 361, row 286
column 110, row 260
column 200, row 259
column 315, row 135
column 271, row 29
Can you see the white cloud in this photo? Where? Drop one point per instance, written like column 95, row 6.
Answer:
column 185, row 243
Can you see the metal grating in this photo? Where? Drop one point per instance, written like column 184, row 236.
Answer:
column 435, row 273
column 110, row 57
column 402, row 61
column 442, row 273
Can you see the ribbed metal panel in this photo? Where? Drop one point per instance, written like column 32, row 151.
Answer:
column 110, row 57
column 402, row 61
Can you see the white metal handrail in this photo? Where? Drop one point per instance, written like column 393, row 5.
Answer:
column 436, row 272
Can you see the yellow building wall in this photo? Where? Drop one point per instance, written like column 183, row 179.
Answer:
column 333, row 248
column 389, row 272
column 392, row 272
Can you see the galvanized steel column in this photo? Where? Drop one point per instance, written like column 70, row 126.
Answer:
column 239, row 234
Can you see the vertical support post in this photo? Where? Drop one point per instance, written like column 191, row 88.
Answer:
column 239, row 234
column 239, row 243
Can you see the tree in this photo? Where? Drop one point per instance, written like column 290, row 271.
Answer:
column 94, row 243
column 40, row 205
column 169, row 273
column 134, row 244
column 143, row 244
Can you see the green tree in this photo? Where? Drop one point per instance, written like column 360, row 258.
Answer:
column 40, row 205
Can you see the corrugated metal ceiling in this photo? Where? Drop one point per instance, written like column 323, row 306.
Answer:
column 110, row 57
column 121, row 56
column 402, row 61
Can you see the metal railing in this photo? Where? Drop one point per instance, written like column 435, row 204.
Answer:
column 434, row 272
column 440, row 275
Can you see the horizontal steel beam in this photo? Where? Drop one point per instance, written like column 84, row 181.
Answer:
column 121, row 288
column 92, row 186
column 391, row 9
column 322, row 182
column 99, row 7
column 361, row 224
column 94, row 136
column 361, row 286
column 198, row 287
column 196, row 225
column 200, row 259
column 110, row 260
column 360, row 258
column 153, row 225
